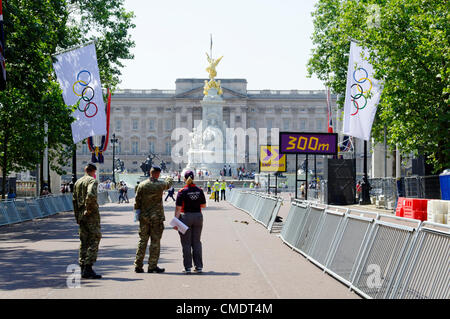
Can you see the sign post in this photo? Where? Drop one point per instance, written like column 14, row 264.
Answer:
column 307, row 143
column 271, row 161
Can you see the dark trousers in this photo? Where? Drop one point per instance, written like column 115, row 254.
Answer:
column 222, row 194
column 190, row 241
column 169, row 195
column 216, row 196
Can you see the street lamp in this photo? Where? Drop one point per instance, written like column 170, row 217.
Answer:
column 114, row 140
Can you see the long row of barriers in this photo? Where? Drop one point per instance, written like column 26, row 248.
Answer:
column 378, row 256
column 21, row 210
column 262, row 207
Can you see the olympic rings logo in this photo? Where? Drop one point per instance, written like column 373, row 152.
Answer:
column 361, row 96
column 85, row 93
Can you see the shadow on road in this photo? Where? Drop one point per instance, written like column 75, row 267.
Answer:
column 37, row 254
column 206, row 273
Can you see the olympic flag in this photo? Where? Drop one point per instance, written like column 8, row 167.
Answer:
column 362, row 95
column 79, row 78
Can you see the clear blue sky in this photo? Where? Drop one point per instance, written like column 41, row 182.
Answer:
column 267, row 42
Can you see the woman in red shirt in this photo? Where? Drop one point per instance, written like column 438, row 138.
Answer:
column 189, row 204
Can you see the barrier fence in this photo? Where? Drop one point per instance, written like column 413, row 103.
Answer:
column 20, row 210
column 262, row 207
column 378, row 256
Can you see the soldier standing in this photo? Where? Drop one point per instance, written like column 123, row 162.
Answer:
column 87, row 215
column 149, row 207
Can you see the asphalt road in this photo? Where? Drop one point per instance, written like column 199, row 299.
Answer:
column 242, row 260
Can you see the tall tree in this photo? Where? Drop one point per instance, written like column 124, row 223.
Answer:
column 35, row 31
column 409, row 45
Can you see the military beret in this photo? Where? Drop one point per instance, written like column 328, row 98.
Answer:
column 156, row 168
column 91, row 167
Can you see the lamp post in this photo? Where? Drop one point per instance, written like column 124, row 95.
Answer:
column 114, row 140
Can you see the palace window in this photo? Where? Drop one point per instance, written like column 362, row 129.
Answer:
column 168, row 124
column 135, row 125
column 302, row 125
column 151, row 125
column 134, row 147
column 118, row 125
column 168, row 148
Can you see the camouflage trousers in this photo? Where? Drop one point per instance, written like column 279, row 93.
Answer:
column 90, row 235
column 149, row 228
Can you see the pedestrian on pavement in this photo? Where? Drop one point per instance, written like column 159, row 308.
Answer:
column 209, row 187
column 125, row 192
column 223, row 187
column 302, row 190
column 358, row 191
column 149, row 208
column 170, row 194
column 216, row 191
column 121, row 191
column 189, row 204
column 87, row 215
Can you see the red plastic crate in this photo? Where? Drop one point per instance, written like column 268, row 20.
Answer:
column 399, row 211
column 415, row 208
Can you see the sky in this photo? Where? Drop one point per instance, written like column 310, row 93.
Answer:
column 267, row 42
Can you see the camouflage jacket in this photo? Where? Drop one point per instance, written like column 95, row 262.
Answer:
column 149, row 197
column 85, row 199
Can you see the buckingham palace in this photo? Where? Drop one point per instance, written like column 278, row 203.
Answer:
column 143, row 120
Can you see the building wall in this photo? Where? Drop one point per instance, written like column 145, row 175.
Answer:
column 142, row 119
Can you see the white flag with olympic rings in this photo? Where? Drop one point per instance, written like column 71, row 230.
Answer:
column 362, row 95
column 78, row 75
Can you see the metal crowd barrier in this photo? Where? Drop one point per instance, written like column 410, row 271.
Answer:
column 20, row 210
column 378, row 256
column 262, row 207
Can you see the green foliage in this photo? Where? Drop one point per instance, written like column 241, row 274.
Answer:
column 409, row 45
column 36, row 30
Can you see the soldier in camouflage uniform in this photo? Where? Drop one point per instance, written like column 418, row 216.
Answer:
column 87, row 215
column 149, row 207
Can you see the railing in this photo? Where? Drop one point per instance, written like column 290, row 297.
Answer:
column 21, row 210
column 262, row 207
column 378, row 256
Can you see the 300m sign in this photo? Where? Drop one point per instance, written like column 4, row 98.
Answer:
column 308, row 143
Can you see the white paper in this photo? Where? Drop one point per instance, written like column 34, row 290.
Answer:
column 182, row 228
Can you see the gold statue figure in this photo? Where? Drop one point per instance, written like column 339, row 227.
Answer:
column 212, row 74
column 212, row 66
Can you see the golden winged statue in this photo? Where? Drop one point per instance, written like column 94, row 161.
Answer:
column 212, row 66
column 211, row 69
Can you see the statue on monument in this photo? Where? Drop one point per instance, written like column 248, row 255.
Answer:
column 211, row 69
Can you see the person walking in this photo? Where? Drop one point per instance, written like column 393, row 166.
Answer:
column 189, row 204
column 358, row 191
column 216, row 191
column 87, row 216
column 121, row 191
column 223, row 187
column 125, row 192
column 170, row 194
column 209, row 187
column 149, row 208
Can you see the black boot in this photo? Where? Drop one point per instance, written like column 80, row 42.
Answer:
column 139, row 270
column 156, row 269
column 89, row 273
